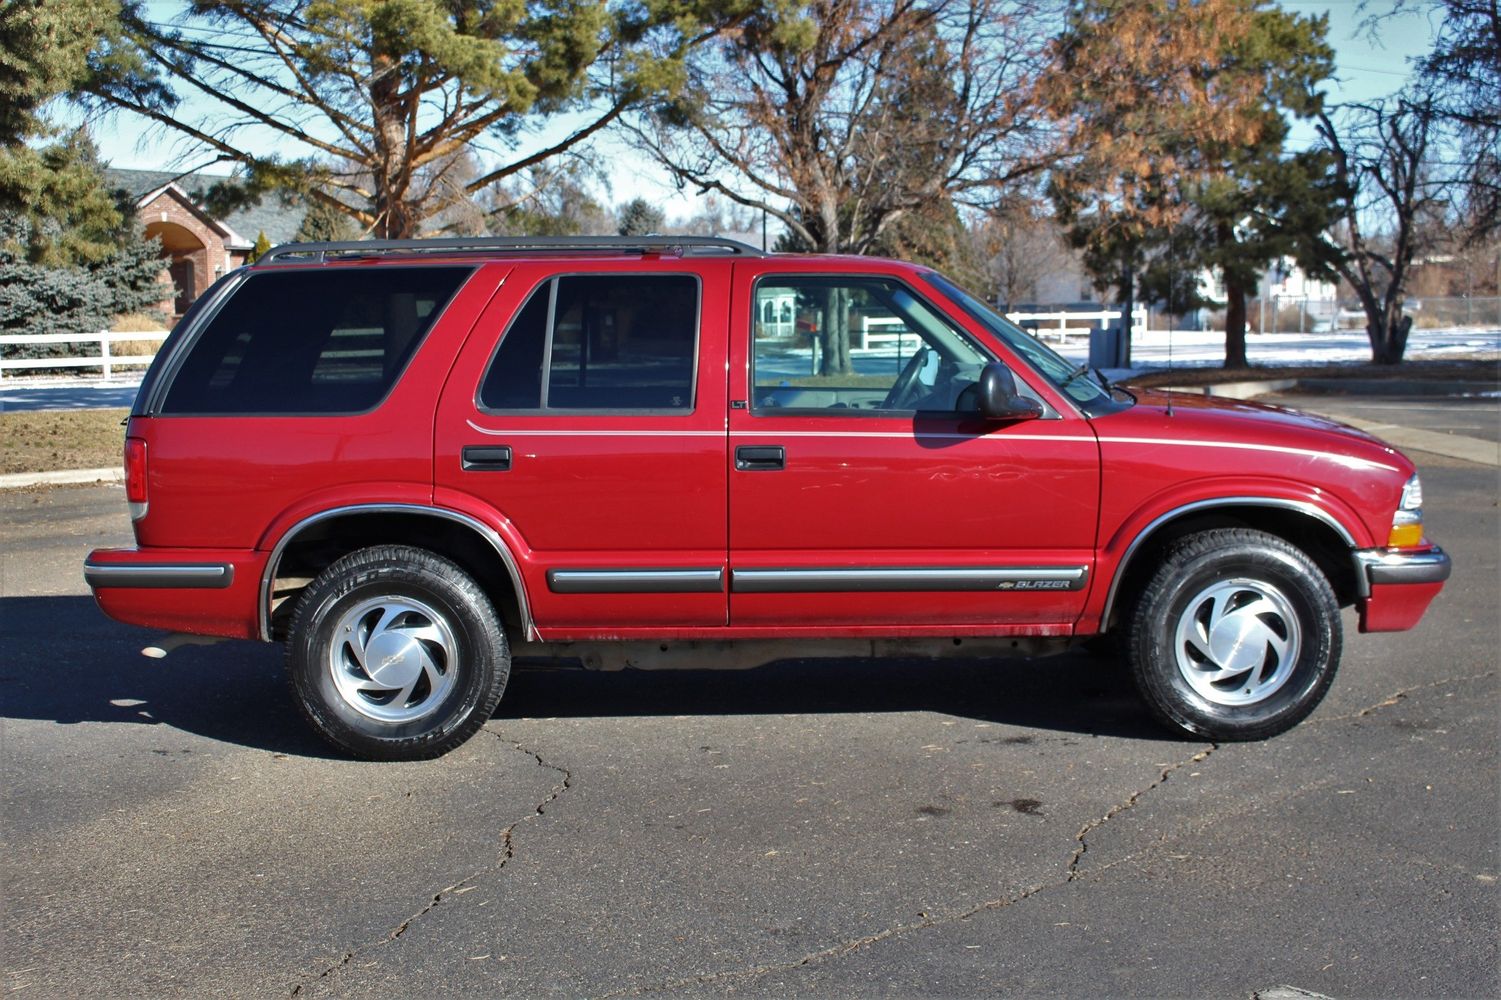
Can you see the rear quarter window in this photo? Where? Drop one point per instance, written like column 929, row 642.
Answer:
column 311, row 341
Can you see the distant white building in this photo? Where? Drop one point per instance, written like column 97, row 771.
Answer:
column 1284, row 285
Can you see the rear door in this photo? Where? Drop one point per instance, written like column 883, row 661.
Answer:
column 863, row 495
column 586, row 418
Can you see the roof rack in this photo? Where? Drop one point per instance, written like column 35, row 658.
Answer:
column 677, row 246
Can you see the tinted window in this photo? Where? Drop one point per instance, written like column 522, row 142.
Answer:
column 599, row 342
column 314, row 341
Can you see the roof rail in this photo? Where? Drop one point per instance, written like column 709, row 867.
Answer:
column 677, row 246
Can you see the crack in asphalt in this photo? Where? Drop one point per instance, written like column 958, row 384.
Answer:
column 1398, row 696
column 927, row 921
column 504, row 856
column 1073, row 872
column 1082, row 846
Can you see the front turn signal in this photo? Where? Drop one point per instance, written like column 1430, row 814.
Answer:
column 1405, row 536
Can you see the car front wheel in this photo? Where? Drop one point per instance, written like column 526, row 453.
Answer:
column 396, row 654
column 1236, row 637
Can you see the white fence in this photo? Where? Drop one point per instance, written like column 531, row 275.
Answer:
column 889, row 333
column 105, row 359
column 1064, row 324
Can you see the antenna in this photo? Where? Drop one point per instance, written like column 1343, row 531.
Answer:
column 1172, row 317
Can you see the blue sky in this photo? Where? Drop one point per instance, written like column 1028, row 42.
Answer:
column 1368, row 65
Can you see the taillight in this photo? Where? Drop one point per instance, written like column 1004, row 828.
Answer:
column 135, row 476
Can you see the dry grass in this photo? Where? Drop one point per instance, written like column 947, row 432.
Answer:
column 140, row 323
column 136, row 348
column 50, row 440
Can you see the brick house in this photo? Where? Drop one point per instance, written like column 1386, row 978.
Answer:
column 199, row 248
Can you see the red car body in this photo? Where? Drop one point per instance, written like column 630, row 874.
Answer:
column 1219, row 538
column 225, row 499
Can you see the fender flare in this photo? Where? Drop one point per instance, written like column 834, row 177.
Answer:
column 1299, row 506
column 528, row 628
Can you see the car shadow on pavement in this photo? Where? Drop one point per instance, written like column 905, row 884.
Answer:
column 62, row 660
column 1073, row 692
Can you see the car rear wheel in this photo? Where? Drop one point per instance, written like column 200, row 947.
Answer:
column 396, row 654
column 1236, row 637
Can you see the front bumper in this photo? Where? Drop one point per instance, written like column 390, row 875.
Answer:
column 1396, row 587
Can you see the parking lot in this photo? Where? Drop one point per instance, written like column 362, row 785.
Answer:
column 840, row 828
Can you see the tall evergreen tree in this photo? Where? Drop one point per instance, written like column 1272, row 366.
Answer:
column 1177, row 114
column 44, row 50
column 71, row 256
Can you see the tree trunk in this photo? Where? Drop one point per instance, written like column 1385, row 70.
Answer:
column 1235, row 324
column 395, row 219
column 1389, row 339
column 1128, row 309
column 836, row 333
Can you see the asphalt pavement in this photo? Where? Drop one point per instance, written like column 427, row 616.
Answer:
column 844, row 828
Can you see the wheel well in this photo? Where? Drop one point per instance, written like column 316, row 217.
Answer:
column 318, row 545
column 1317, row 540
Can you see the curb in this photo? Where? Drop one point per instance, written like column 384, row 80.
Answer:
column 1233, row 390
column 1338, row 387
column 1377, row 387
column 20, row 480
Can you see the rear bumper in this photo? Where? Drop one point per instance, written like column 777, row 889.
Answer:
column 159, row 575
column 201, row 591
column 1397, row 587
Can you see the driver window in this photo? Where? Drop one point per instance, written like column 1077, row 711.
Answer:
column 859, row 344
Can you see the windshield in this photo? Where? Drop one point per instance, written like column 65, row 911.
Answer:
column 1066, row 376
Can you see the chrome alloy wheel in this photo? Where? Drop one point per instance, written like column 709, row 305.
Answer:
column 1237, row 642
column 393, row 659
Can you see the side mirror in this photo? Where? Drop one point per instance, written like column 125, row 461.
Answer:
column 998, row 399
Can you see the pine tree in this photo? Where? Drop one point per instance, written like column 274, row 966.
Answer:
column 77, row 299
column 44, row 48
column 639, row 217
column 376, row 93
column 322, row 223
column 262, row 245
column 1177, row 112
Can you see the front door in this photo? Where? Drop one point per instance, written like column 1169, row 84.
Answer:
column 586, row 413
column 184, row 281
column 862, row 494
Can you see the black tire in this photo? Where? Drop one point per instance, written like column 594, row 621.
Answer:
column 1236, row 637
column 395, row 653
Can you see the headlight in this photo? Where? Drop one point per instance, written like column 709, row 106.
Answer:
column 1407, row 525
column 1412, row 494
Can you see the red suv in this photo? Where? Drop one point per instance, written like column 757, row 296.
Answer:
column 407, row 459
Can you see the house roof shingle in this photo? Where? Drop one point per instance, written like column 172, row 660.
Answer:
column 278, row 216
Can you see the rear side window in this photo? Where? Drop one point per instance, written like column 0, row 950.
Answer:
column 313, row 341
column 599, row 342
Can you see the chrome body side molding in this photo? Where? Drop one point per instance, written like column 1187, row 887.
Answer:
column 636, row 581
column 186, row 576
column 999, row 578
column 268, row 575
